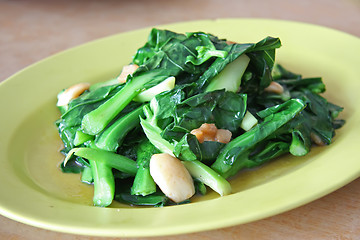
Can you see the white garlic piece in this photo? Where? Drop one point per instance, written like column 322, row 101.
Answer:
column 172, row 177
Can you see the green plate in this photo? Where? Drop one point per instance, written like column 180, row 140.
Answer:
column 35, row 192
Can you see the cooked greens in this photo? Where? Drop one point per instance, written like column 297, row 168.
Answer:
column 183, row 81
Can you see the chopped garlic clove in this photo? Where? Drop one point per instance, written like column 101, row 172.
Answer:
column 126, row 71
column 172, row 177
column 316, row 139
column 209, row 132
column 223, row 136
column 71, row 93
column 198, row 134
column 274, row 87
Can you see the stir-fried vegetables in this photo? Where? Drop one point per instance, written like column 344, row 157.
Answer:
column 190, row 111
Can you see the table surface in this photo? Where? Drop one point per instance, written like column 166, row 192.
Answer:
column 64, row 24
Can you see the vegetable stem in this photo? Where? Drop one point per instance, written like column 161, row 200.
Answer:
column 237, row 148
column 110, row 159
column 104, row 184
column 111, row 137
column 81, row 137
column 153, row 133
column 208, row 176
column 95, row 121
column 86, row 175
column 143, row 183
column 230, row 77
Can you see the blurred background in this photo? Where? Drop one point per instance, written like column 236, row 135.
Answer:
column 31, row 30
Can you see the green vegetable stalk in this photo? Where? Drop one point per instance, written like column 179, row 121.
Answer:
column 110, row 159
column 208, row 176
column 143, row 182
column 104, row 184
column 153, row 132
column 238, row 148
column 230, row 77
column 96, row 121
column 111, row 137
column 101, row 163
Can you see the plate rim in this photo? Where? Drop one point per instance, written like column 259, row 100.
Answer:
column 59, row 228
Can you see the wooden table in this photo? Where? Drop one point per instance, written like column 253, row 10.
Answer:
column 32, row 30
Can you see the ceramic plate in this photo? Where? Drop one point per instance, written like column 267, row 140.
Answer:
column 35, row 192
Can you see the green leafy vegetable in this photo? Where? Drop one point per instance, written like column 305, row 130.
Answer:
column 238, row 148
column 111, row 131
